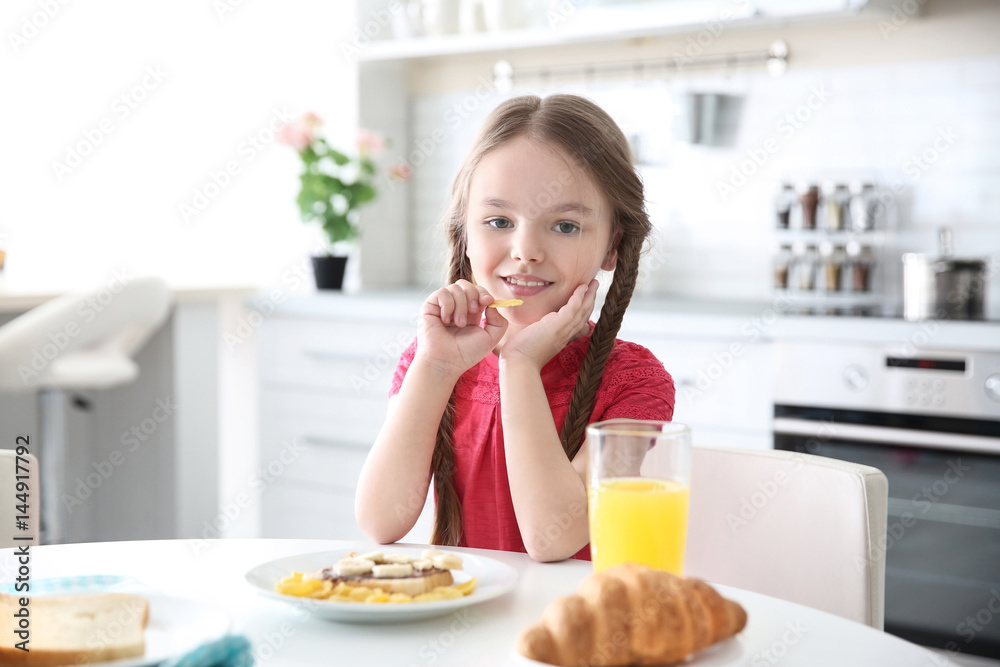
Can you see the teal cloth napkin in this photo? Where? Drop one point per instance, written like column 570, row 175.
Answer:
column 228, row 651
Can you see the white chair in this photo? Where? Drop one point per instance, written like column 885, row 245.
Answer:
column 799, row 527
column 76, row 342
column 15, row 529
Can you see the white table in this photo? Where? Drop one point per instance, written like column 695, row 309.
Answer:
column 777, row 632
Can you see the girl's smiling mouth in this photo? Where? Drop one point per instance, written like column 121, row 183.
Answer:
column 525, row 285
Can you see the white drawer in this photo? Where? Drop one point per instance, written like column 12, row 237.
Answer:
column 719, row 383
column 306, row 513
column 359, row 357
column 318, row 437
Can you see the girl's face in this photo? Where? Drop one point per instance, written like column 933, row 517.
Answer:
column 537, row 227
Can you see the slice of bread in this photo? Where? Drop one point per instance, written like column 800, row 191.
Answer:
column 75, row 630
column 413, row 585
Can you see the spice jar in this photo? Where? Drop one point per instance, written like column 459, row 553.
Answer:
column 832, row 205
column 859, row 266
column 808, row 196
column 803, row 271
column 782, row 264
column 783, row 205
column 862, row 206
column 832, row 263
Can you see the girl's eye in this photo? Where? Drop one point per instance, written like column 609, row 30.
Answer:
column 499, row 223
column 567, row 227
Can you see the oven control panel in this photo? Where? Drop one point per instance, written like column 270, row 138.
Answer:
column 870, row 377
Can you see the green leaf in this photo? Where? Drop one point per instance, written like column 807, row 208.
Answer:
column 338, row 157
column 338, row 228
column 362, row 193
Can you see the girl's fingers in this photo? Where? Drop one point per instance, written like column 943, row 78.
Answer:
column 496, row 325
column 485, row 298
column 465, row 298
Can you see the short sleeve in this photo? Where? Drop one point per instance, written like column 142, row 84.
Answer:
column 637, row 386
column 404, row 363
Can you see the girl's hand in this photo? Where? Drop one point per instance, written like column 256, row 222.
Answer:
column 541, row 341
column 449, row 335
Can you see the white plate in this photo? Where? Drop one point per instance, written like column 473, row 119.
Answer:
column 176, row 626
column 493, row 579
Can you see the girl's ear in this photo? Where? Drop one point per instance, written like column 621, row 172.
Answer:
column 611, row 259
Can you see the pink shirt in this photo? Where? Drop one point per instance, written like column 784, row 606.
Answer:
column 635, row 385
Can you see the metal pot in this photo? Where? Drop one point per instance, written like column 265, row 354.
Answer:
column 943, row 287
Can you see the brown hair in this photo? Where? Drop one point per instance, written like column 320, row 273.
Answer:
column 596, row 144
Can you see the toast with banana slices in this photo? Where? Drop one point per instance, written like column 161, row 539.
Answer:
column 394, row 573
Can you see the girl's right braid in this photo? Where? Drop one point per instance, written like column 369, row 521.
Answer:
column 601, row 343
column 448, row 510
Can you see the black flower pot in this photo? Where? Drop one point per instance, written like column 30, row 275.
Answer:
column 329, row 271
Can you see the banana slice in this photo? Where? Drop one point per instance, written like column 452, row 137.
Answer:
column 371, row 555
column 422, row 564
column 448, row 562
column 397, row 558
column 393, row 570
column 349, row 566
column 430, row 554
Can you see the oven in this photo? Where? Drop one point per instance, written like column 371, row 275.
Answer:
column 931, row 423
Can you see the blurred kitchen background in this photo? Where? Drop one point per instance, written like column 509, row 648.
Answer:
column 901, row 95
column 793, row 153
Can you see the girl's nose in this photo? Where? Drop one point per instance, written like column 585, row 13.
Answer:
column 527, row 247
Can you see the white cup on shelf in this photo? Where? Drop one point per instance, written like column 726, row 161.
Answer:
column 440, row 17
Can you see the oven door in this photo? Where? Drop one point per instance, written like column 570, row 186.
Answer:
column 942, row 549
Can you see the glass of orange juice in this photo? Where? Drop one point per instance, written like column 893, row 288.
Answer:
column 638, row 488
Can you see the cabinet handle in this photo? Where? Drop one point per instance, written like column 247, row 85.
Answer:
column 333, row 442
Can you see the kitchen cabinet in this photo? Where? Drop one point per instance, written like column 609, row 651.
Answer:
column 722, row 380
column 325, row 366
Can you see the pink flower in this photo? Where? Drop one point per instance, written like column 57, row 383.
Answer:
column 301, row 133
column 370, row 143
column 297, row 136
column 311, row 120
column 400, row 172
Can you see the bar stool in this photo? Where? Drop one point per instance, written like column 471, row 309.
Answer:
column 76, row 342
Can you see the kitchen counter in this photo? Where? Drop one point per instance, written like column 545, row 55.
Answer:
column 16, row 299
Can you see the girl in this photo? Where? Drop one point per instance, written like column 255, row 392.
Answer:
column 495, row 409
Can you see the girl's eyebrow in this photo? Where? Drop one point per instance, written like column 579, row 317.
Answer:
column 564, row 207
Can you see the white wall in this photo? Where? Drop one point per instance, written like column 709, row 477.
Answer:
column 226, row 70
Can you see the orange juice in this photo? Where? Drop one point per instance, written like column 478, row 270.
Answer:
column 638, row 520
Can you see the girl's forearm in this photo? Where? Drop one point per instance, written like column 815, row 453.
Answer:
column 549, row 495
column 392, row 487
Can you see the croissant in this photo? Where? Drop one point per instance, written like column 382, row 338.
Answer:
column 631, row 615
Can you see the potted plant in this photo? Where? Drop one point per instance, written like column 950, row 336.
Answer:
column 333, row 187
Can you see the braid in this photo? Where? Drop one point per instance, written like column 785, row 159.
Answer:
column 601, row 343
column 447, row 508
column 448, row 511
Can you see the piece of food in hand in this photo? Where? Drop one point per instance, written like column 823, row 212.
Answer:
column 76, row 630
column 631, row 614
column 505, row 303
column 378, row 577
